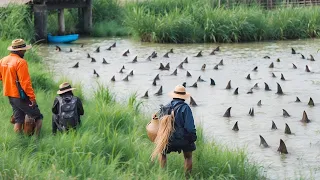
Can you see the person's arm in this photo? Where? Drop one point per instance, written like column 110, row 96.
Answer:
column 80, row 107
column 189, row 124
column 55, row 106
column 25, row 80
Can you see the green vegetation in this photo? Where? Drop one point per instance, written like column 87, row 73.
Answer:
column 186, row 21
column 110, row 144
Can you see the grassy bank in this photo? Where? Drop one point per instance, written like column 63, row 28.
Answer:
column 111, row 144
column 186, row 21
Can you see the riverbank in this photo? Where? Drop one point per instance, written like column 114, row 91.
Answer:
column 111, row 144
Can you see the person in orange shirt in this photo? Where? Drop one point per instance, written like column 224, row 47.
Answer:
column 17, row 86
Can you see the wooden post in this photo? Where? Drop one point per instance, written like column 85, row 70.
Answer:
column 40, row 22
column 61, row 22
column 87, row 17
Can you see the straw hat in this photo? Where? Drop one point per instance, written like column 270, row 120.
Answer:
column 19, row 45
column 65, row 87
column 179, row 92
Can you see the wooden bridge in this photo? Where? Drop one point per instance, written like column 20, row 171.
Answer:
column 41, row 7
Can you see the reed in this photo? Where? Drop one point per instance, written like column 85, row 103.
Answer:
column 185, row 22
column 110, row 144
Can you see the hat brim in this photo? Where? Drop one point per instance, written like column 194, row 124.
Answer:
column 64, row 91
column 180, row 96
column 20, row 49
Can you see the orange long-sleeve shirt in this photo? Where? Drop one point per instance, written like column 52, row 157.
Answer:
column 11, row 66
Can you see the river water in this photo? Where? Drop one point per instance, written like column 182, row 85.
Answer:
column 239, row 60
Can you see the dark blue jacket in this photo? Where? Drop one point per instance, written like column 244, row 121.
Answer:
column 183, row 123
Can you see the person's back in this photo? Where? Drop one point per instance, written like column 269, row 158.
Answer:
column 184, row 135
column 66, row 110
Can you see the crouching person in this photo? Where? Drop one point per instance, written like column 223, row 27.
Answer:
column 66, row 110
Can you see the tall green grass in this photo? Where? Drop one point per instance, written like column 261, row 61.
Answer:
column 110, row 144
column 186, row 22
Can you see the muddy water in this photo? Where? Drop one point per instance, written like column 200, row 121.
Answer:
column 239, row 59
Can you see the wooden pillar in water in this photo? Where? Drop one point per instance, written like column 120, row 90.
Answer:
column 62, row 27
column 40, row 21
column 87, row 17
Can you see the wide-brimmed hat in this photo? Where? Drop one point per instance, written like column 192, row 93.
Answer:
column 19, row 45
column 65, row 87
column 179, row 92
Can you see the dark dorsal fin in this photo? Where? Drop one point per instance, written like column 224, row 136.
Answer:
column 166, row 55
column 186, row 60
column 128, row 51
column 212, row 83
column 217, row 48
column 256, row 85
column 263, row 142
column 229, row 85
column 285, row 113
column 195, row 85
column 157, row 77
column 259, row 103
column 148, row 58
column 113, row 78
column 199, row 54
column 311, row 103
column 297, row 99
column 154, row 83
column 305, row 118
column 125, row 54
column 287, row 129
column 94, row 71
column 159, row 92
column 273, row 75
column 146, row 95
column 88, row 55
column 154, row 55
column 307, row 68
column 114, row 45
column 278, row 60
column 135, row 59
column 255, row 68
column 282, row 77
column 193, row 102
column 104, row 61
column 216, row 67
column 184, row 84
column 200, row 79
column 271, row 65
column 175, row 72
column 279, row 89
column 273, row 126
column 250, row 91
column 97, row 75
column 93, row 60
column 123, row 67
column 266, row 87
column 228, row 112
column 203, row 67
column 171, row 51
column 109, row 48
column 131, row 73
column 126, row 78
column 82, row 45
column 221, row 62
column 212, row 52
column 251, row 112
column 266, row 57
column 98, row 49
column 76, row 65
column 162, row 67
column 282, row 147
column 236, row 92
column 167, row 66
column 311, row 58
column 70, row 50
column 235, row 127
column 188, row 74
column 294, row 66
column 302, row 56
column 180, row 65
column 121, row 70
column 293, row 51
column 248, row 77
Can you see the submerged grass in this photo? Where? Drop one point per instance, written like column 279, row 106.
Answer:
column 110, row 144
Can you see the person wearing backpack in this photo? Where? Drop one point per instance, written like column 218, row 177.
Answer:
column 184, row 134
column 66, row 110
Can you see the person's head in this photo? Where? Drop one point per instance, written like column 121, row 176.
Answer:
column 19, row 47
column 179, row 93
column 65, row 88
